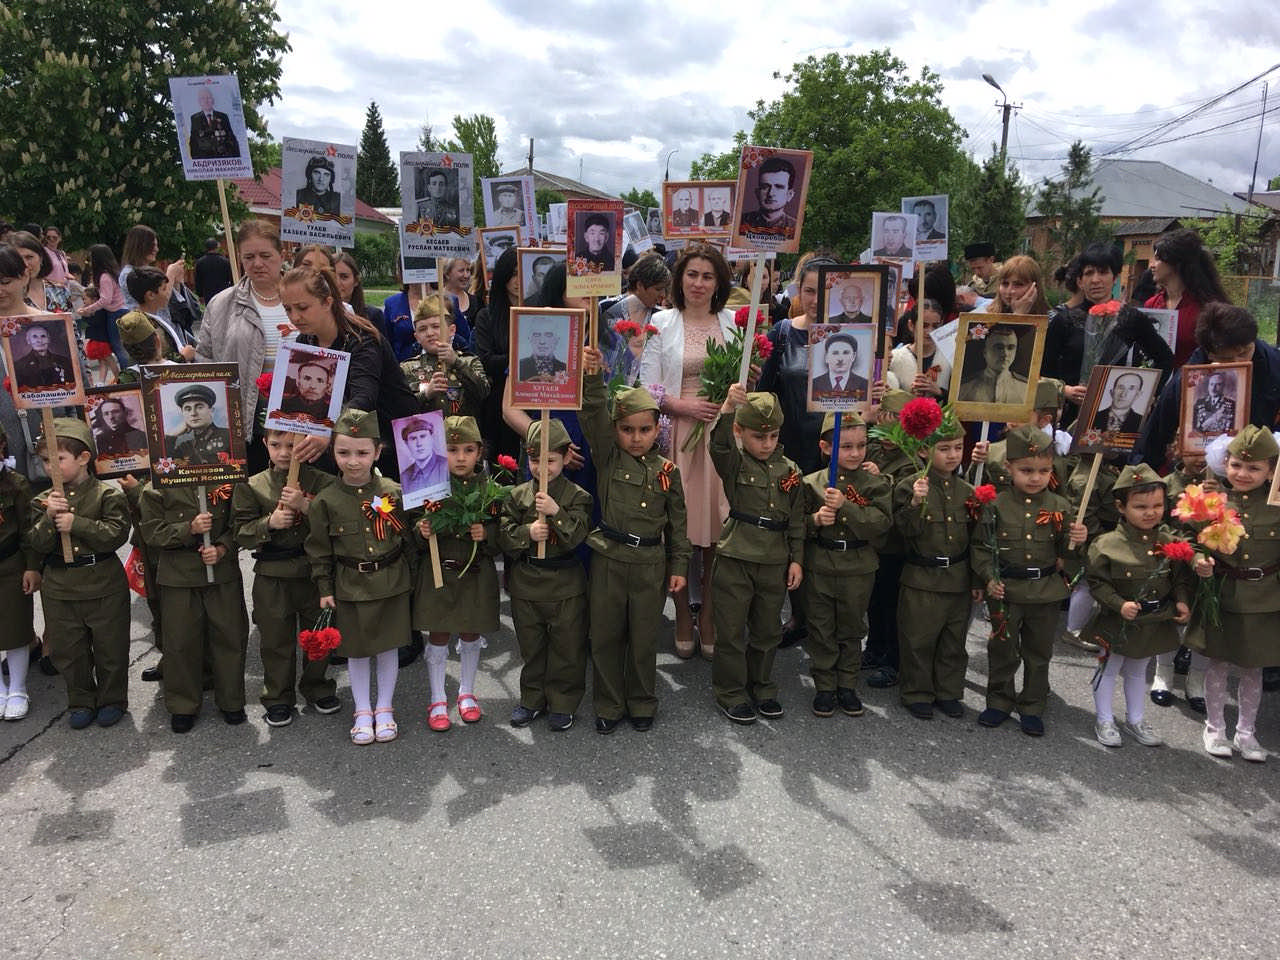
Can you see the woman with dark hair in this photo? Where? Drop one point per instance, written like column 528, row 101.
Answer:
column 673, row 360
column 13, row 303
column 141, row 247
column 1099, row 265
column 940, row 287
column 493, row 333
column 100, row 316
column 347, row 272
column 1188, row 281
column 44, row 296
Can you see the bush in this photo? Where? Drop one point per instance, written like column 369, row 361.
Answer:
column 376, row 255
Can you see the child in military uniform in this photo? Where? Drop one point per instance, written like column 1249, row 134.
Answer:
column 844, row 523
column 270, row 517
column 641, row 548
column 86, row 601
column 1142, row 598
column 1030, row 546
column 933, row 513
column 548, row 595
column 203, row 622
column 443, row 378
column 1246, row 639
column 468, row 602
column 1045, row 416
column 19, row 580
column 758, row 554
column 360, row 563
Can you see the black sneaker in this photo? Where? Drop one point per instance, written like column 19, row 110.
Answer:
column 991, row 717
column 1031, row 725
column 327, row 705
column 740, row 713
column 642, row 724
column 80, row 717
column 1196, row 705
column 46, row 667
column 849, row 702
column 605, row 726
column 769, row 709
column 1182, row 661
column 152, row 674
column 1162, row 698
column 522, row 716
column 109, row 715
column 279, row 715
column 824, row 704
column 559, row 722
column 234, row 717
column 920, row 710
column 182, row 722
column 952, row 708
column 882, row 677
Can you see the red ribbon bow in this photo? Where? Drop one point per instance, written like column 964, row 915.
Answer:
column 219, row 494
column 664, row 475
column 383, row 515
column 789, row 482
column 1054, row 482
column 1045, row 517
column 854, row 497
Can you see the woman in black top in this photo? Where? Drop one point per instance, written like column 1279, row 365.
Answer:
column 493, row 326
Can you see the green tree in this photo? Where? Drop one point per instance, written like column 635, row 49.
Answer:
column 88, row 139
column 719, row 166
column 989, row 203
column 1274, row 183
column 877, row 135
column 376, row 255
column 644, row 199
column 377, row 174
column 1232, row 238
column 543, row 198
column 266, row 154
column 1071, row 204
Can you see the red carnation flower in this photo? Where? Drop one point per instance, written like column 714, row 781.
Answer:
column 318, row 644
column 263, row 383
column 1177, row 550
column 764, row 346
column 650, row 330
column 97, row 350
column 920, row 417
column 985, row 493
column 740, row 317
column 1106, row 309
column 507, row 463
column 628, row 328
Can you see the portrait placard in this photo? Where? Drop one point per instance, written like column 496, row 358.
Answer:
column 212, row 135
column 532, row 264
column 417, row 269
column 594, row 244
column 768, row 212
column 437, row 217
column 193, row 418
column 1116, row 405
column 1273, row 495
column 653, row 220
column 1166, row 324
column 546, row 358
column 893, row 237
column 840, row 366
column 42, row 357
column 421, row 456
column 697, row 209
column 307, row 387
column 495, row 241
column 635, row 232
column 115, row 418
column 1215, row 400
column 932, row 219
column 508, row 202
column 557, row 222
column 318, row 192
column 996, row 366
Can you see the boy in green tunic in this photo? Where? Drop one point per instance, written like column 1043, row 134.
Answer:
column 1029, row 547
column 270, row 518
column 548, row 594
column 86, row 601
column 843, row 524
column 641, row 548
column 443, row 378
column 1142, row 596
column 758, row 554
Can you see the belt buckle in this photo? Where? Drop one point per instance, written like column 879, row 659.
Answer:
column 1149, row 606
column 841, row 545
column 943, row 562
column 1035, row 573
column 1254, row 574
column 92, row 560
column 762, row 522
column 367, row 566
column 632, row 540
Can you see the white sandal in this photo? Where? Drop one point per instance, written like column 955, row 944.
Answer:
column 385, row 730
column 362, row 733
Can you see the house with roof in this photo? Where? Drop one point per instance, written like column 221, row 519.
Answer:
column 262, row 195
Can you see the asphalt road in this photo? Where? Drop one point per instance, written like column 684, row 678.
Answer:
column 881, row 836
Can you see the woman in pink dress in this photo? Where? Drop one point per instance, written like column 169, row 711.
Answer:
column 673, row 359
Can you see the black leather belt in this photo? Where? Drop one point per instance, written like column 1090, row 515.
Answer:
column 764, row 523
column 371, row 566
column 88, row 560
column 10, row 548
column 1150, row 606
column 562, row 562
column 271, row 553
column 1027, row 573
column 826, row 543
column 1250, row 573
column 916, row 560
column 630, row 539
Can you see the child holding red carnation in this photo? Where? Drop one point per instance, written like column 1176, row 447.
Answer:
column 270, row 518
column 1140, row 577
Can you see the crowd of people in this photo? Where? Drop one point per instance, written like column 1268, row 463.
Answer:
column 729, row 505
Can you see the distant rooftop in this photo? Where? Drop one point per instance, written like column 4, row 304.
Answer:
column 264, row 193
column 1152, row 189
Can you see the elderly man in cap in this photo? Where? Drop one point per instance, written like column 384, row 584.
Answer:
column 508, row 212
column 199, row 441
column 594, row 245
column 429, row 468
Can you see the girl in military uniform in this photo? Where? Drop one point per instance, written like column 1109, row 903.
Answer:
column 1250, row 592
column 19, row 580
column 467, row 604
column 360, row 564
column 1142, row 599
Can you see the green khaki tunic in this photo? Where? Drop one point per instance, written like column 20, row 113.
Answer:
column 1175, row 484
column 838, row 576
column 1120, row 567
column 548, row 603
column 372, row 607
column 465, row 604
column 17, row 556
column 1101, row 515
column 642, row 496
column 749, row 577
column 468, row 384
column 1030, row 607
column 996, row 470
column 934, row 601
column 203, row 621
column 86, row 609
column 285, row 598
column 1249, row 636
column 150, row 561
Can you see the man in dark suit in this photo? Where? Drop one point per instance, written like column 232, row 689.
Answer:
column 717, row 201
column 211, row 133
column 840, row 352
column 213, row 272
column 893, row 234
column 851, row 303
column 927, row 215
column 113, row 434
column 542, row 365
column 1119, row 416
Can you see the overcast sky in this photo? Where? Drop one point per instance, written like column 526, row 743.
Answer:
column 607, row 89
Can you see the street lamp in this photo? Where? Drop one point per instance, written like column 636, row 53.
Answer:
column 670, row 153
column 1006, row 110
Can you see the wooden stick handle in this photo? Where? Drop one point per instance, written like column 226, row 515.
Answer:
column 226, row 230
column 437, row 574
column 1088, row 487
column 294, row 466
column 982, row 435
column 544, row 452
column 749, row 334
column 203, row 497
column 55, row 476
column 920, row 316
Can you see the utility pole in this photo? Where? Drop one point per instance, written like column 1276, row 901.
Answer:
column 1262, row 118
column 1006, row 110
column 531, row 154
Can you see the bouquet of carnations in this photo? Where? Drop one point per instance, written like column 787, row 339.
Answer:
column 1219, row 530
column 457, row 513
column 720, row 371
column 322, row 639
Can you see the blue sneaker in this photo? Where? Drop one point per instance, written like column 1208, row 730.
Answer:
column 80, row 718
column 1031, row 725
column 109, row 716
column 991, row 717
column 522, row 716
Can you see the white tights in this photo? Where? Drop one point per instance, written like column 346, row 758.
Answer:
column 1248, row 697
column 1134, row 671
column 358, row 672
column 1079, row 608
column 19, row 659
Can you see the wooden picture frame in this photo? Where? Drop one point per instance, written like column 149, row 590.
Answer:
column 546, row 374
column 690, row 221
column 120, row 442
column 755, row 228
column 1201, row 417
column 1111, row 388
column 42, row 357
column 1001, row 388
column 182, row 455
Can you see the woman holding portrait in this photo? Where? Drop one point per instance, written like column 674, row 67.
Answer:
column 1188, row 281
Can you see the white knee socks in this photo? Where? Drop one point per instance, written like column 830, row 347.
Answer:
column 1249, row 696
column 1106, row 688
column 437, row 657
column 19, row 660
column 1215, row 696
column 1079, row 608
column 469, row 656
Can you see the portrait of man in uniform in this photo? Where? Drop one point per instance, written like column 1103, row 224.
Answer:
column 594, row 241
column 437, row 202
column 654, row 218
column 201, row 440
column 318, row 192
column 774, row 189
column 211, row 135
column 429, row 467
column 542, row 361
column 507, row 211
column 45, row 361
column 310, row 390
column 114, row 432
column 1215, row 410
column 993, row 380
column 684, row 213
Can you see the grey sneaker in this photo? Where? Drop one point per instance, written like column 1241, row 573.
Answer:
column 1216, row 743
column 1249, row 748
column 1143, row 734
column 1106, row 733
